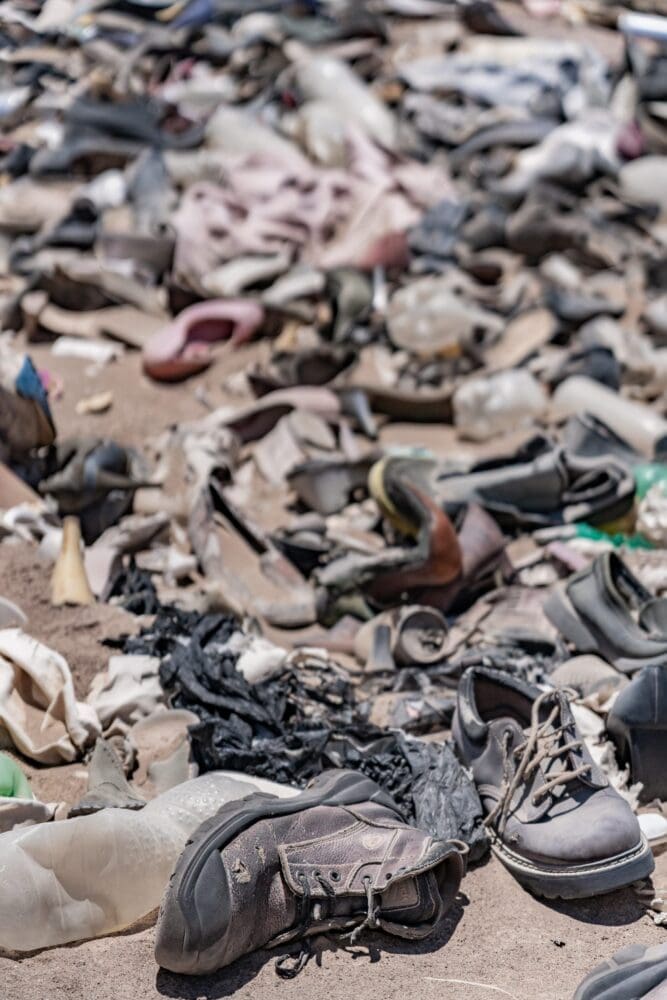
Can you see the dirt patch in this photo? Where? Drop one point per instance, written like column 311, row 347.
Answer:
column 496, row 935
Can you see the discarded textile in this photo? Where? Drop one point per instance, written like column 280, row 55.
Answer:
column 293, row 726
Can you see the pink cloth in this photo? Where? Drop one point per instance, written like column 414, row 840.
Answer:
column 324, row 217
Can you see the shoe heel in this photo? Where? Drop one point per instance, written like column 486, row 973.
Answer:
column 559, row 611
column 644, row 751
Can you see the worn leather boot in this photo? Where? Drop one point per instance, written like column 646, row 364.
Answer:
column 555, row 821
column 265, row 871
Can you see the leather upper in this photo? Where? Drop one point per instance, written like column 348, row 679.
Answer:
column 579, row 821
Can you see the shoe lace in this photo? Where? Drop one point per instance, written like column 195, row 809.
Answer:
column 543, row 742
column 370, row 921
column 289, row 966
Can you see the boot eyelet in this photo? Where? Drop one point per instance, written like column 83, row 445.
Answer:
column 334, row 876
column 388, row 875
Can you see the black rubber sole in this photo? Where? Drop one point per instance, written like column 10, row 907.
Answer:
column 631, row 972
column 578, row 881
column 178, row 926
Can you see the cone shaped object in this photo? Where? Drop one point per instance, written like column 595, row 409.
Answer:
column 69, row 584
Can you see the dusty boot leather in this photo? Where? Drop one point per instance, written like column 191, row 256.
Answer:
column 266, row 871
column 556, row 822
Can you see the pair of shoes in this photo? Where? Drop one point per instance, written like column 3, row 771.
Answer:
column 339, row 857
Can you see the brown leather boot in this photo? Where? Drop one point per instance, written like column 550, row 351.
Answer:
column 265, row 871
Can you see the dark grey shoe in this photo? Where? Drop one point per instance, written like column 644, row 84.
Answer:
column 555, row 821
column 637, row 723
column 634, row 972
column 604, row 609
column 541, row 485
column 265, row 871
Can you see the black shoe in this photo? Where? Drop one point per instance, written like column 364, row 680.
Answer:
column 637, row 723
column 635, row 971
column 604, row 609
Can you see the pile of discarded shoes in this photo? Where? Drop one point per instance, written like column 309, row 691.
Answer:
column 333, row 382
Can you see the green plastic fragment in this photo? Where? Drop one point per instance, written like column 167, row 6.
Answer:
column 13, row 782
column 618, row 540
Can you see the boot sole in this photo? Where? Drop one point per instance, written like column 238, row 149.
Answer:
column 623, row 976
column 178, row 911
column 578, row 881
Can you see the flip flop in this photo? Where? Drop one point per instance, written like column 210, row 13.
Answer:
column 183, row 348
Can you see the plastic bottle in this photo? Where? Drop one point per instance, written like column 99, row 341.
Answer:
column 324, row 78
column 93, row 875
column 486, row 407
column 636, row 423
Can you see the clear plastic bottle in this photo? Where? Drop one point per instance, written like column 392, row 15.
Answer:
column 324, row 78
column 638, row 424
column 93, row 875
column 489, row 406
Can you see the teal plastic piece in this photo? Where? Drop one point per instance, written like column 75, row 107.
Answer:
column 619, row 540
column 647, row 475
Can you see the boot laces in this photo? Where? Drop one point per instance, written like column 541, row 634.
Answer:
column 289, row 966
column 543, row 742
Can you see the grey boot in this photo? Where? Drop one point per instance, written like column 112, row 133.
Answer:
column 266, row 871
column 555, row 821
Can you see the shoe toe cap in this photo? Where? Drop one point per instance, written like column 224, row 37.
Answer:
column 599, row 828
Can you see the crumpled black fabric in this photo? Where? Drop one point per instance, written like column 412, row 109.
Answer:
column 136, row 590
column 531, row 660
column 292, row 727
column 431, row 787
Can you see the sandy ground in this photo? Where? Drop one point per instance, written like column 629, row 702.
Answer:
column 497, row 939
